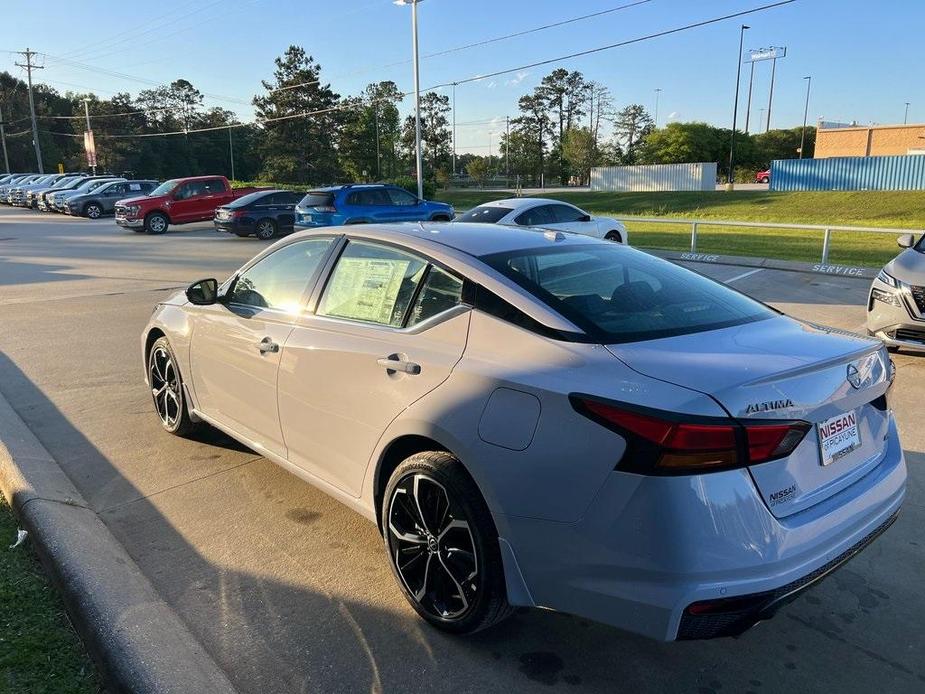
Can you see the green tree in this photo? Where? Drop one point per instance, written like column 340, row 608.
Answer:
column 436, row 138
column 301, row 122
column 370, row 131
column 478, row 170
column 580, row 152
column 631, row 126
column 783, row 144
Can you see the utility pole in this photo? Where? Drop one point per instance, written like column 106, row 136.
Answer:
column 230, row 153
column 35, row 128
column 905, row 117
column 378, row 152
column 89, row 129
column 6, row 159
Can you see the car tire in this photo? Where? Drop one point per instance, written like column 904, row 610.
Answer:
column 156, row 223
column 92, row 210
column 443, row 548
column 614, row 236
column 265, row 229
column 167, row 392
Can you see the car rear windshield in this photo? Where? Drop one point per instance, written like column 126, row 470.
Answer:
column 318, row 198
column 246, row 200
column 617, row 294
column 484, row 213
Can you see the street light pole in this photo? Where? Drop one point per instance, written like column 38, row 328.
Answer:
column 748, row 106
column 809, row 81
column 87, row 114
column 417, row 93
column 657, row 93
column 767, row 126
column 735, row 108
column 906, row 116
column 454, row 128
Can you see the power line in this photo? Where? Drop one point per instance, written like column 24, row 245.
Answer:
column 619, row 44
column 485, row 42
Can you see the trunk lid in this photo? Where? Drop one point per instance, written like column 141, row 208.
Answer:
column 783, row 369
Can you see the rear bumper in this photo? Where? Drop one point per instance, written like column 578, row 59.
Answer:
column 230, row 227
column 649, row 548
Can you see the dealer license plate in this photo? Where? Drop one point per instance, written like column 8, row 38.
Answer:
column 839, row 436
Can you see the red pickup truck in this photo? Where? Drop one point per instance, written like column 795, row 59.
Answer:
column 179, row 201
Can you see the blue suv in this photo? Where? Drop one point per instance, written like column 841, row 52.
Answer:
column 366, row 204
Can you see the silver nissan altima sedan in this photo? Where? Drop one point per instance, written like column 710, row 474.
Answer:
column 541, row 419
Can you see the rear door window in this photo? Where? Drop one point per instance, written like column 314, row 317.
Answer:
column 536, row 216
column 441, row 292
column 372, row 284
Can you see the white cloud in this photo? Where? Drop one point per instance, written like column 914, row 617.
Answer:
column 492, row 84
column 517, row 79
column 674, row 115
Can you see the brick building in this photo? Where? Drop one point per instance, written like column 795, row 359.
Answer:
column 869, row 141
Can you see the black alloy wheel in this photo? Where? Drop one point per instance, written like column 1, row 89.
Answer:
column 442, row 544
column 167, row 389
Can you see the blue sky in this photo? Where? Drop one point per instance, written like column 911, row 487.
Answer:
column 862, row 70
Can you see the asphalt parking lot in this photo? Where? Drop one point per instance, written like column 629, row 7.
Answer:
column 290, row 591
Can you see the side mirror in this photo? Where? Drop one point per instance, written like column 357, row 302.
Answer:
column 203, row 292
column 585, row 218
column 906, row 241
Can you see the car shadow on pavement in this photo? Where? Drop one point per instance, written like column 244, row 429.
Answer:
column 227, row 569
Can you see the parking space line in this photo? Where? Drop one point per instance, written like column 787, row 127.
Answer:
column 744, row 275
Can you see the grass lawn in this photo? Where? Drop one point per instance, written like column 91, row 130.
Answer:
column 39, row 651
column 901, row 209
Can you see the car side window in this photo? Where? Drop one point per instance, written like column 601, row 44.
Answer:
column 535, row 216
column 189, row 190
column 116, row 189
column 279, row 280
column 373, row 284
column 400, row 196
column 441, row 291
column 213, row 186
column 563, row 214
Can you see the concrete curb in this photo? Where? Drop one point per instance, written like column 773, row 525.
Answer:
column 847, row 271
column 137, row 639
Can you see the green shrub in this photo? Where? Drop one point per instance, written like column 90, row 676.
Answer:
column 410, row 183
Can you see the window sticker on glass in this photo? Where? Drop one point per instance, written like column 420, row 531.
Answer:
column 134, row 186
column 365, row 289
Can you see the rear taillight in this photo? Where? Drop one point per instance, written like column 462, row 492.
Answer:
column 665, row 443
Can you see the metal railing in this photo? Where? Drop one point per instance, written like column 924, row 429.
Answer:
column 826, row 229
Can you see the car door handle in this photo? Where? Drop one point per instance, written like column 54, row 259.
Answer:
column 393, row 364
column 267, row 345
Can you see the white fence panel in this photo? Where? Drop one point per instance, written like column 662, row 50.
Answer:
column 651, row 177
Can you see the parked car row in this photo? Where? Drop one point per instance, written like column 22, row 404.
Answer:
column 75, row 194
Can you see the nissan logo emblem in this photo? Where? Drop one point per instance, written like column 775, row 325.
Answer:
column 854, row 376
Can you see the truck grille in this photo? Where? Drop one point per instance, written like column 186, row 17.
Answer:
column 918, row 293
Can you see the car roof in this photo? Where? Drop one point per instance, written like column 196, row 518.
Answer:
column 517, row 203
column 352, row 186
column 472, row 238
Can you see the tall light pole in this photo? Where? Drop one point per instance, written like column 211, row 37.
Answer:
column 657, row 93
column 735, row 108
column 809, row 81
column 767, row 126
column 906, row 116
column 417, row 93
column 87, row 114
column 454, row 128
column 748, row 104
